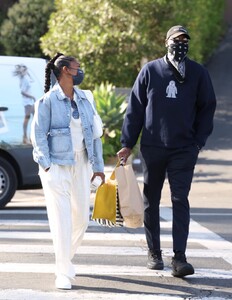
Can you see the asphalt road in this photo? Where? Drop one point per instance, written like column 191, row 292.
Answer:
column 111, row 263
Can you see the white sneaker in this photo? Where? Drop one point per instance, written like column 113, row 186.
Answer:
column 63, row 282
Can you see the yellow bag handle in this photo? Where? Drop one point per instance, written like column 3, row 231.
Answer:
column 112, row 176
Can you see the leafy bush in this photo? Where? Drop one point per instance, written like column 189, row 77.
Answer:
column 26, row 23
column 112, row 38
column 111, row 107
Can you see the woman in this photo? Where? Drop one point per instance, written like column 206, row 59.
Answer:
column 28, row 99
column 64, row 148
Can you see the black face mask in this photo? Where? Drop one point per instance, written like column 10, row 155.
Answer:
column 178, row 50
column 77, row 79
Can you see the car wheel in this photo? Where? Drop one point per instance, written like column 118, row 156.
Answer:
column 8, row 182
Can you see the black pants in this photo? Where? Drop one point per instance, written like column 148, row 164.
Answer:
column 179, row 165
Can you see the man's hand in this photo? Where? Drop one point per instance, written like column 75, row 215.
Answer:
column 123, row 154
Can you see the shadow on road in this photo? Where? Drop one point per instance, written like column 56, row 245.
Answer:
column 188, row 287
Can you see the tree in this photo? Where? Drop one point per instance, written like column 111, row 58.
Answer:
column 4, row 6
column 205, row 22
column 104, row 35
column 26, row 23
column 112, row 37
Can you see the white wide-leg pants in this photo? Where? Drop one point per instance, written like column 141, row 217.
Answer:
column 67, row 195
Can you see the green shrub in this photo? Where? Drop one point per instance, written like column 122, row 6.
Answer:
column 26, row 23
column 112, row 38
column 111, row 107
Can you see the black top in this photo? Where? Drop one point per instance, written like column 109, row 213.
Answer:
column 169, row 113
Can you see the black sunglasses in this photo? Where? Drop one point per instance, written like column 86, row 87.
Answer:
column 75, row 112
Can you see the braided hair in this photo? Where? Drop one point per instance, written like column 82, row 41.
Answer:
column 56, row 64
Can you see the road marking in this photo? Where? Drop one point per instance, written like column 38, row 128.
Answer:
column 44, row 212
column 115, row 250
column 26, row 223
column 75, row 294
column 211, row 214
column 23, row 212
column 202, row 235
column 199, row 234
column 109, row 270
column 215, row 247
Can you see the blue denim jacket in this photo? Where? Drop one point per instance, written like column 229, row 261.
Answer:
column 51, row 133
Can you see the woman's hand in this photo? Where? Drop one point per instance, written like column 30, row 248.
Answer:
column 100, row 174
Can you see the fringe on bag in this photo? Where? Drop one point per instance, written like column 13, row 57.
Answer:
column 119, row 218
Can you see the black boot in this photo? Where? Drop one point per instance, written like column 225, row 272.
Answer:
column 155, row 261
column 180, row 267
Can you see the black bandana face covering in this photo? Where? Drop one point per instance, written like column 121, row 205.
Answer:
column 178, row 49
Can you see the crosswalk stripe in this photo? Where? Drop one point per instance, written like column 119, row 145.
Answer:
column 23, row 212
column 207, row 245
column 109, row 270
column 115, row 250
column 207, row 239
column 37, row 295
column 24, row 223
column 197, row 234
column 44, row 212
column 15, row 222
column 215, row 247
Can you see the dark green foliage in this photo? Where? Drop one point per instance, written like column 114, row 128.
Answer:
column 26, row 23
column 111, row 108
column 112, row 38
column 205, row 22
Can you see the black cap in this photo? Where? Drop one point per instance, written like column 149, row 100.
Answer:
column 176, row 31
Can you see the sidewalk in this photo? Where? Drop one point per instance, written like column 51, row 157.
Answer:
column 212, row 184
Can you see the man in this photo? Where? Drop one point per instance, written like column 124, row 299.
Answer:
column 173, row 103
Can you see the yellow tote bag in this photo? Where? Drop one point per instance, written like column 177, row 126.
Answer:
column 105, row 200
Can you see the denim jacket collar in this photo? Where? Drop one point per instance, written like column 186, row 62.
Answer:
column 61, row 95
column 59, row 92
